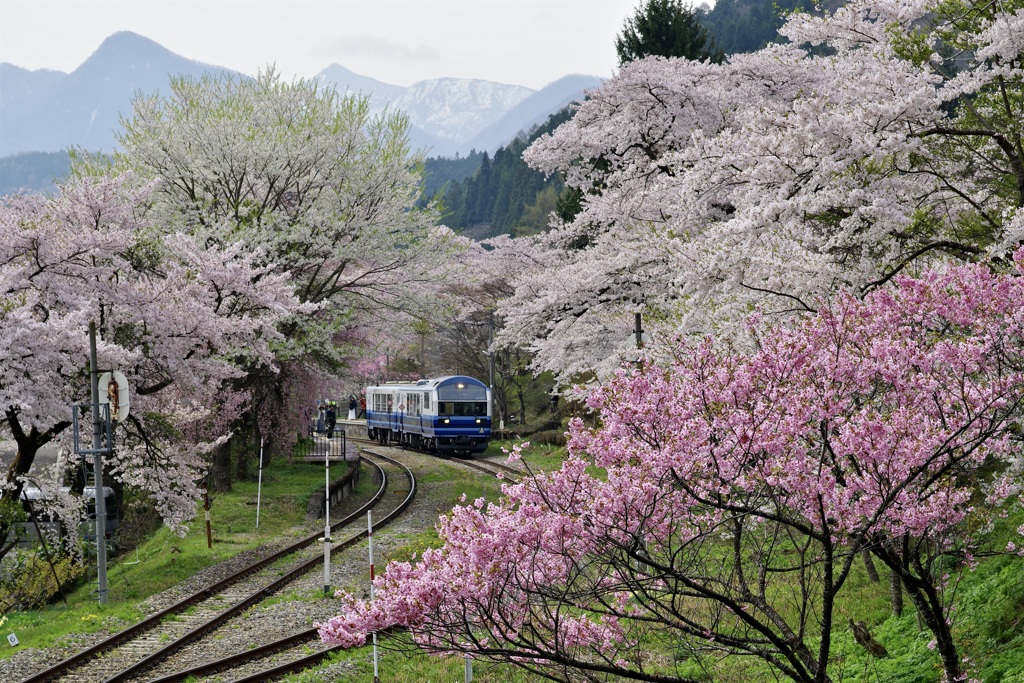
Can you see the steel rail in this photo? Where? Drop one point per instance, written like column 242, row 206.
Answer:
column 133, row 631
column 502, row 469
column 309, row 635
column 154, row 658
column 468, row 462
column 296, row 638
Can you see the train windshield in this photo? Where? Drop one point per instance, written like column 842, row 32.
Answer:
column 462, row 408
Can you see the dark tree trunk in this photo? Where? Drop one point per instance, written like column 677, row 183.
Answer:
column 906, row 562
column 929, row 607
column 28, row 445
column 242, row 455
column 896, row 593
column 265, row 455
column 222, row 467
column 869, row 565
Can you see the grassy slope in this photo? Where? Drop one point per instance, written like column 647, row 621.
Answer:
column 164, row 559
column 989, row 620
column 989, row 617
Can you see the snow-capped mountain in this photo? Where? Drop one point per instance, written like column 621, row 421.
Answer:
column 46, row 111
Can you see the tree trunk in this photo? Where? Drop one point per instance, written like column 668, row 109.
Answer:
column 222, row 467
column 244, row 452
column 28, row 446
column 925, row 597
column 896, row 593
column 929, row 607
column 869, row 565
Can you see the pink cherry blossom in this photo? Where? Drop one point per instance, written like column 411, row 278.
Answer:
column 868, row 425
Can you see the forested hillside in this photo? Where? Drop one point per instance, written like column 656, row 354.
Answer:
column 500, row 194
column 748, row 25
column 486, row 196
column 440, row 171
column 33, row 170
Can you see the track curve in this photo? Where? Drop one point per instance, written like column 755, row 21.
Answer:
column 240, row 596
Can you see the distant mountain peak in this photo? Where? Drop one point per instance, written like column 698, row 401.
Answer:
column 128, row 37
column 48, row 111
column 127, row 50
column 129, row 43
column 84, row 108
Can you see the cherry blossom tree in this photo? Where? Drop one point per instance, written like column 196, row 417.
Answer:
column 174, row 315
column 885, row 137
column 720, row 505
column 310, row 181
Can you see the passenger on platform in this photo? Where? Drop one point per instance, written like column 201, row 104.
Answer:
column 352, row 407
column 332, row 419
column 362, row 407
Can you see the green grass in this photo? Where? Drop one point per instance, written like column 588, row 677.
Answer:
column 989, row 620
column 446, row 485
column 165, row 559
column 539, row 457
column 405, row 666
column 989, row 625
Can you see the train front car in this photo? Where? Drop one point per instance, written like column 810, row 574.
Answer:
column 444, row 415
column 463, row 419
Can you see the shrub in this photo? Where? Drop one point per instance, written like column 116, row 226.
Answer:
column 30, row 581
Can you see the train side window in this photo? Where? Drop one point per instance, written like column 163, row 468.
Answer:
column 426, row 401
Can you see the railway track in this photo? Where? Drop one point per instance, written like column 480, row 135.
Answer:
column 138, row 651
column 479, row 464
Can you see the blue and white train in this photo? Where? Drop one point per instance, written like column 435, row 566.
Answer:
column 444, row 415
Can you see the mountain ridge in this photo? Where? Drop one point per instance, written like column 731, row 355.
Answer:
column 47, row 111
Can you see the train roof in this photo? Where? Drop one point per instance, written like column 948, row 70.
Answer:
column 433, row 383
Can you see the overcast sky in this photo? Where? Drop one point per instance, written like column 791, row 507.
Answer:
column 520, row 42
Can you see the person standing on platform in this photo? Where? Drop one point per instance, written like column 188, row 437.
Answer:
column 362, row 407
column 352, row 407
column 332, row 419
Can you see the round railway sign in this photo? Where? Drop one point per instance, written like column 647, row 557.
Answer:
column 113, row 388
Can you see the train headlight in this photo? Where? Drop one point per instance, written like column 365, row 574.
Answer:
column 446, row 420
column 478, row 420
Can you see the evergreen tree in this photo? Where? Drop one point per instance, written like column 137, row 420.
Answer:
column 439, row 173
column 749, row 25
column 496, row 197
column 667, row 28
column 33, row 172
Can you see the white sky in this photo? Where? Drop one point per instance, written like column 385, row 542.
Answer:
column 520, row 42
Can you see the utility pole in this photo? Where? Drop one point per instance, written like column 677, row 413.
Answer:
column 638, row 330
column 97, row 447
column 490, row 357
column 327, row 519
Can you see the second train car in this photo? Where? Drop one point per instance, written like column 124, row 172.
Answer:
column 444, row 415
